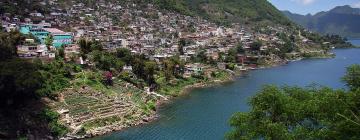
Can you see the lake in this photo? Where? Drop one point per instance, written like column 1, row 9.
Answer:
column 356, row 42
column 204, row 113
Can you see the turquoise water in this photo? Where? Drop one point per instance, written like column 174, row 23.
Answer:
column 204, row 114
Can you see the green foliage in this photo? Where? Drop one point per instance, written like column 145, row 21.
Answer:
column 174, row 5
column 57, row 76
column 101, row 122
column 200, row 57
column 232, row 55
column 256, row 45
column 124, row 55
column 19, row 81
column 8, row 43
column 231, row 66
column 88, row 46
column 106, row 61
column 49, row 41
column 352, row 77
column 225, row 12
column 302, row 113
column 240, row 49
column 61, row 52
column 52, row 118
column 173, row 67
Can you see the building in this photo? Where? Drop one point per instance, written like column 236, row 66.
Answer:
column 41, row 32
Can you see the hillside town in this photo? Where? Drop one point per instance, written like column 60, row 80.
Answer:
column 203, row 48
column 149, row 31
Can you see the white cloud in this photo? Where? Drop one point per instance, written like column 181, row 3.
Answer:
column 356, row 5
column 305, row 2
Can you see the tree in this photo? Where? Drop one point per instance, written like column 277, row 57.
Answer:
column 255, row 46
column 232, row 54
column 352, row 77
column 8, row 43
column 19, row 82
column 149, row 71
column 240, row 49
column 182, row 44
column 301, row 113
column 168, row 69
column 85, row 46
column 49, row 41
column 125, row 55
column 200, row 57
column 61, row 52
column 138, row 66
column 96, row 45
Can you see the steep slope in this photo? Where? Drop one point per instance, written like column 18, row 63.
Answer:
column 227, row 11
column 342, row 20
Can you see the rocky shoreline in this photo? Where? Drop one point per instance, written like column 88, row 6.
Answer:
column 186, row 90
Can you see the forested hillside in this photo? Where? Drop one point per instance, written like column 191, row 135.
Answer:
column 342, row 20
column 226, row 11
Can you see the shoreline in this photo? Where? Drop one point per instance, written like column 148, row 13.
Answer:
column 185, row 91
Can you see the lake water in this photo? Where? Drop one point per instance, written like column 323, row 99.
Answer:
column 204, row 113
column 356, row 42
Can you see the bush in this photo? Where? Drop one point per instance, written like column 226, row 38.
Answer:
column 52, row 118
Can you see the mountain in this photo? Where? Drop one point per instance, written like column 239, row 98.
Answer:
column 227, row 11
column 342, row 20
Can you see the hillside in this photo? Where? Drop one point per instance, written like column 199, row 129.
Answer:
column 227, row 11
column 342, row 20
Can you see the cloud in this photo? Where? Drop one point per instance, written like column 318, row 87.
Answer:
column 356, row 5
column 305, row 2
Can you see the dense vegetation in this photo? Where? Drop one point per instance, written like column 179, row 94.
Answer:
column 228, row 11
column 26, row 83
column 302, row 113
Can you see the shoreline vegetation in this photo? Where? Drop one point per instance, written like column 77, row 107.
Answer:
column 308, row 111
column 181, row 90
column 130, row 57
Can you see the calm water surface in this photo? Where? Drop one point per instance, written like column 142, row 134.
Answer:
column 356, row 42
column 204, row 114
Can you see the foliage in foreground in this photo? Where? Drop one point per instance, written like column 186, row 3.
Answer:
column 301, row 113
column 52, row 118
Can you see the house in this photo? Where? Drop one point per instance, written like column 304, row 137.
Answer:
column 71, row 51
column 193, row 69
column 60, row 37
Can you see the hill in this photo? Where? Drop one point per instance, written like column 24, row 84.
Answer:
column 342, row 20
column 227, row 11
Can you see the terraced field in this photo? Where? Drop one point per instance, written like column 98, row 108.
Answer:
column 88, row 110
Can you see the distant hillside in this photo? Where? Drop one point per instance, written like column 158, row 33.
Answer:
column 219, row 11
column 226, row 11
column 342, row 20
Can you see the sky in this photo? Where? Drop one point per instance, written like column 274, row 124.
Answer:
column 312, row 6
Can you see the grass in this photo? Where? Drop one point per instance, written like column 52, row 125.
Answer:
column 101, row 122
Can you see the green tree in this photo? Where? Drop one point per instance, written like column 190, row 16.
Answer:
column 125, row 55
column 85, row 46
column 96, row 45
column 61, row 52
column 256, row 45
column 182, row 44
column 19, row 82
column 352, row 77
column 240, row 49
column 231, row 57
column 49, row 41
column 149, row 71
column 8, row 43
column 301, row 113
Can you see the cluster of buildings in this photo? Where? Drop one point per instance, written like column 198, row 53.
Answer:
column 141, row 28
